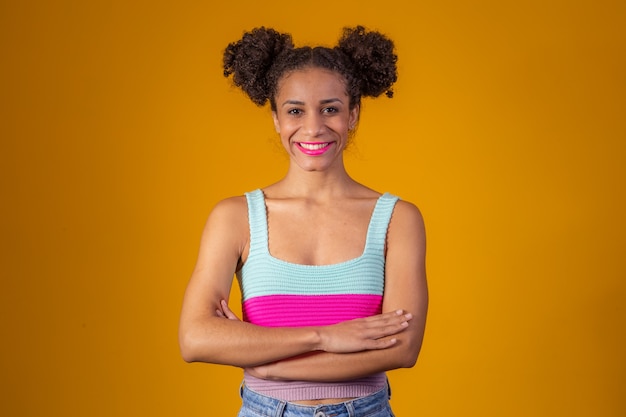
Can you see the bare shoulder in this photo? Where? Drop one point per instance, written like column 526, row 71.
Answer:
column 225, row 234
column 406, row 222
column 407, row 214
column 231, row 206
column 229, row 217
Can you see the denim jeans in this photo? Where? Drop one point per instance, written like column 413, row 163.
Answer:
column 258, row 405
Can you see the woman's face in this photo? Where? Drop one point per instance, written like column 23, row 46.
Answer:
column 313, row 118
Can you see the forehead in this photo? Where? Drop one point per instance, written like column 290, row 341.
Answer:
column 312, row 82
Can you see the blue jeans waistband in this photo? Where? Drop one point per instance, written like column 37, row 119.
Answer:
column 374, row 405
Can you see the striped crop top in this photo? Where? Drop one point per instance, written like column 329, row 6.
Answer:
column 276, row 293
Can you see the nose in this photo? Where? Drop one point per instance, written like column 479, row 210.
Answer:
column 313, row 125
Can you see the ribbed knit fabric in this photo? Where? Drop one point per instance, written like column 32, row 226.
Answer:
column 276, row 293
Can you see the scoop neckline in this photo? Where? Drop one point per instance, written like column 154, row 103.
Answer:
column 336, row 264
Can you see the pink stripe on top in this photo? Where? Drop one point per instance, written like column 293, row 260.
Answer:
column 309, row 310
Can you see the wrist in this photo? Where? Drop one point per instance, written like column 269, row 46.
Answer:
column 270, row 371
column 318, row 339
column 266, row 371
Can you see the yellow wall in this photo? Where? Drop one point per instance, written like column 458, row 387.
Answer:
column 119, row 133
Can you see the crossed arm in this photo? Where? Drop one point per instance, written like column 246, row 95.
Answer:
column 326, row 353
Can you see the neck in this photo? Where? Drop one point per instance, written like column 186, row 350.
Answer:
column 317, row 185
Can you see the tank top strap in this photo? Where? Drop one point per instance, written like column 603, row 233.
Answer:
column 379, row 223
column 376, row 232
column 257, row 219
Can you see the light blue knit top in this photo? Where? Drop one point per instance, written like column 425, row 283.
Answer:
column 276, row 293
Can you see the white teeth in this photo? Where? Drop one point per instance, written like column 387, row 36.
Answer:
column 313, row 146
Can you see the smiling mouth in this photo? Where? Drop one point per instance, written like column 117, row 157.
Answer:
column 314, row 148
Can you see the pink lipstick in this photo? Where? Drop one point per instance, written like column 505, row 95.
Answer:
column 313, row 148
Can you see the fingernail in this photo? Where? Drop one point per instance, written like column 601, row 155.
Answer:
column 408, row 316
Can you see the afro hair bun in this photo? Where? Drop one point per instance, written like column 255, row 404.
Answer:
column 366, row 59
column 374, row 60
column 250, row 59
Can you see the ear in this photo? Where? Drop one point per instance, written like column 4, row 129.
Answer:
column 353, row 118
column 276, row 122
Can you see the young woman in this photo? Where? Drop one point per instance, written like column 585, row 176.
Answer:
column 332, row 272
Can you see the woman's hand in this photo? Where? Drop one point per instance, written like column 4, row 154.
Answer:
column 369, row 333
column 225, row 312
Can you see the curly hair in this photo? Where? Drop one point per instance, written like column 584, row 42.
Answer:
column 365, row 59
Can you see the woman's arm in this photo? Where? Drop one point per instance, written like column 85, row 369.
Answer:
column 205, row 336
column 405, row 288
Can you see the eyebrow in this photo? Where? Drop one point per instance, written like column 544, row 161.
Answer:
column 301, row 103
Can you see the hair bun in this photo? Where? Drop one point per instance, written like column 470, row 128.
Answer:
column 374, row 60
column 250, row 59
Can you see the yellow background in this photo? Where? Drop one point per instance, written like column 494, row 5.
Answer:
column 119, row 133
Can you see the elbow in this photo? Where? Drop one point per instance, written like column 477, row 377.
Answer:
column 408, row 358
column 201, row 343
column 188, row 356
column 408, row 361
column 189, row 347
column 186, row 349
